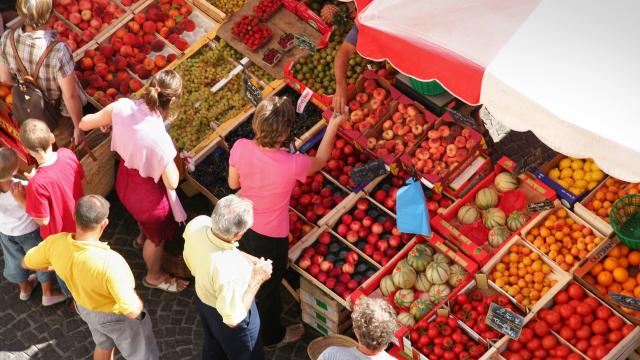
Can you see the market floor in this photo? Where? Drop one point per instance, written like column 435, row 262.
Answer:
column 31, row 331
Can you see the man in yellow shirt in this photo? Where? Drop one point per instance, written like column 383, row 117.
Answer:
column 101, row 283
column 227, row 281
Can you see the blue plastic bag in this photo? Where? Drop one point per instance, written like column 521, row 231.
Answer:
column 411, row 209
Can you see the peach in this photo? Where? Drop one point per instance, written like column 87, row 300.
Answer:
column 371, row 143
column 117, row 44
column 412, row 111
column 144, row 74
column 84, row 5
column 433, row 134
column 380, row 94
column 149, row 27
column 409, row 138
column 86, row 63
column 163, row 31
column 387, row 134
column 86, row 15
column 133, row 26
column 422, row 154
column 126, row 50
column 434, row 143
column 145, row 49
column 456, row 130
column 466, row 133
column 444, row 130
column 419, row 119
column 106, row 50
column 73, row 46
column 149, row 64
column 451, row 150
column 402, row 108
column 357, row 116
column 461, row 154
column 362, row 98
column 124, row 88
column 370, row 85
column 451, row 161
column 86, row 36
column 354, row 105
column 59, row 26
column 388, row 124
column 83, row 25
column 120, row 62
column 446, row 140
column 157, row 45
column 470, row 143
column 95, row 23
column 99, row 59
column 397, row 117
column 171, row 58
column 111, row 92
column 181, row 44
column 460, row 142
column 130, row 39
column 75, row 18
column 120, row 33
column 91, row 91
column 416, row 130
column 161, row 61
column 399, row 148
column 140, row 18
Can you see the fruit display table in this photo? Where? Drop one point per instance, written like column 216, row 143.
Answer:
column 266, row 35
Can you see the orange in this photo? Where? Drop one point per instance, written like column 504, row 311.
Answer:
column 634, row 258
column 623, row 262
column 620, row 274
column 596, row 269
column 629, row 285
column 4, row 91
column 9, row 99
column 615, row 252
column 589, row 278
column 561, row 213
column 610, row 263
column 624, row 250
column 615, row 287
column 605, row 278
column 636, row 292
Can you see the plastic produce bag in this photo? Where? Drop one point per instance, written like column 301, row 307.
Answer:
column 411, row 209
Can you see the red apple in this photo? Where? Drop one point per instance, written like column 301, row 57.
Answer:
column 352, row 236
column 304, row 262
column 352, row 257
column 326, row 266
column 377, row 228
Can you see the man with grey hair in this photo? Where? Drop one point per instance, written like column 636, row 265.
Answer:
column 227, row 280
column 374, row 323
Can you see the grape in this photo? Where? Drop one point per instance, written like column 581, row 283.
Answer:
column 227, row 6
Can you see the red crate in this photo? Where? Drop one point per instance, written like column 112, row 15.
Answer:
column 450, row 228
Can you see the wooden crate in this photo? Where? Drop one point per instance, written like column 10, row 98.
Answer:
column 313, row 295
column 318, row 320
column 211, row 11
column 543, row 216
column 557, row 273
column 100, row 173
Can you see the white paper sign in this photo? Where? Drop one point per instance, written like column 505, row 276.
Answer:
column 303, row 100
column 496, row 129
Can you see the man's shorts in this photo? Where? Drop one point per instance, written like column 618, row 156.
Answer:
column 133, row 338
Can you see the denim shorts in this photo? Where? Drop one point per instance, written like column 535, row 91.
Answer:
column 14, row 249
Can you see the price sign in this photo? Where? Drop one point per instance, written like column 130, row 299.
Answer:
column 626, row 301
column 530, row 161
column 303, row 42
column 505, row 321
column 463, row 119
column 540, row 206
column 367, row 172
column 253, row 93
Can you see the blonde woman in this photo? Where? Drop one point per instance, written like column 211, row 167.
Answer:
column 147, row 175
column 56, row 78
column 266, row 175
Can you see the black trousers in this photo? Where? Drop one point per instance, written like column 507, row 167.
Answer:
column 221, row 342
column 268, row 297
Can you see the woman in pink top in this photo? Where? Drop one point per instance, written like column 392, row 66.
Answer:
column 266, row 175
column 147, row 175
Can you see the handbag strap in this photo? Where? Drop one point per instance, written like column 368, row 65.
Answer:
column 23, row 70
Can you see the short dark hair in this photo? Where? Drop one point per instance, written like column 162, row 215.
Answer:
column 91, row 211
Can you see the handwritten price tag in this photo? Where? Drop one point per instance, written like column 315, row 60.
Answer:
column 253, row 93
column 505, row 321
column 540, row 206
column 625, row 301
column 304, row 43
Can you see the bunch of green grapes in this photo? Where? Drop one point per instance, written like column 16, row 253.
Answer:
column 227, row 6
column 261, row 73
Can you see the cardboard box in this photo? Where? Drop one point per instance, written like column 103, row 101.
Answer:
column 477, row 170
column 475, row 244
column 320, row 318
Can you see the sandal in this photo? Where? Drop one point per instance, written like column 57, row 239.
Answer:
column 25, row 296
column 53, row 299
column 293, row 334
column 170, row 286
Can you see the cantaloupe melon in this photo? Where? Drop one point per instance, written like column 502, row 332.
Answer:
column 467, row 214
column 505, row 182
column 494, row 217
column 486, row 198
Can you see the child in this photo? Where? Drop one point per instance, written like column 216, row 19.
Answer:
column 56, row 186
column 18, row 233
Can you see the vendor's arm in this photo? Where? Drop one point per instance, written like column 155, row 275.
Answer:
column 326, row 145
column 340, row 67
column 99, row 119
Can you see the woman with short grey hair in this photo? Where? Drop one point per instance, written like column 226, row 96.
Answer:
column 374, row 323
column 227, row 280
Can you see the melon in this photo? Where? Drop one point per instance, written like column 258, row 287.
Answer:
column 494, row 217
column 486, row 198
column 422, row 283
column 456, row 275
column 403, row 298
column 442, row 259
column 437, row 293
column 403, row 275
column 387, row 286
column 406, row 319
column 420, row 308
column 505, row 182
column 467, row 214
column 437, row 273
column 516, row 220
column 418, row 260
column 498, row 235
column 424, row 248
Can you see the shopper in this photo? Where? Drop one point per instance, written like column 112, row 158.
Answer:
column 374, row 323
column 226, row 281
column 101, row 283
column 266, row 175
column 18, row 233
column 147, row 176
column 56, row 78
column 340, row 67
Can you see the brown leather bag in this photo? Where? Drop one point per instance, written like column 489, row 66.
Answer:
column 29, row 101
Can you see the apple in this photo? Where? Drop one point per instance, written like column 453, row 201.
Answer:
column 352, row 257
column 304, row 262
column 346, row 219
column 348, row 268
column 382, row 245
column 363, row 232
column 377, row 228
column 342, row 230
column 362, row 204
column 369, row 249
column 373, row 238
column 322, row 277
column 355, row 226
column 314, row 269
column 352, row 285
column 317, row 259
column 359, row 214
column 330, row 283
column 394, row 241
column 352, row 236
column 326, row 266
column 367, row 221
column 377, row 256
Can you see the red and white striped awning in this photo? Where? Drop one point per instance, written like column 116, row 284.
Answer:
column 568, row 70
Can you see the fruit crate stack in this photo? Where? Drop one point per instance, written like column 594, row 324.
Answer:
column 493, row 212
column 331, row 269
column 417, row 282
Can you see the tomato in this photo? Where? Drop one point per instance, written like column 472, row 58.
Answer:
column 476, row 351
column 627, row 329
column 582, row 345
column 464, row 356
column 583, row 309
column 615, row 323
column 601, row 351
column 553, row 317
column 414, row 336
column 615, row 336
column 533, row 344
column 526, row 335
column 597, row 340
column 584, row 332
column 424, row 340
column 432, row 333
column 575, row 321
column 514, row 345
column 515, row 357
column 567, row 333
column 562, row 351
column 565, row 310
column 592, row 302
column 540, row 353
column 587, row 319
column 575, row 291
column 603, row 312
column 574, row 356
column 591, row 353
column 526, row 354
column 540, row 328
column 449, row 355
column 549, row 341
column 610, row 346
column 459, row 348
column 574, row 302
column 458, row 337
column 561, row 298
column 462, row 299
column 599, row 327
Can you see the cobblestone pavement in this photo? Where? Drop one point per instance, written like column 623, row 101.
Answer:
column 31, row 331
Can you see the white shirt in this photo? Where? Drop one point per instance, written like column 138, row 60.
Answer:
column 350, row 353
column 14, row 221
column 222, row 272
